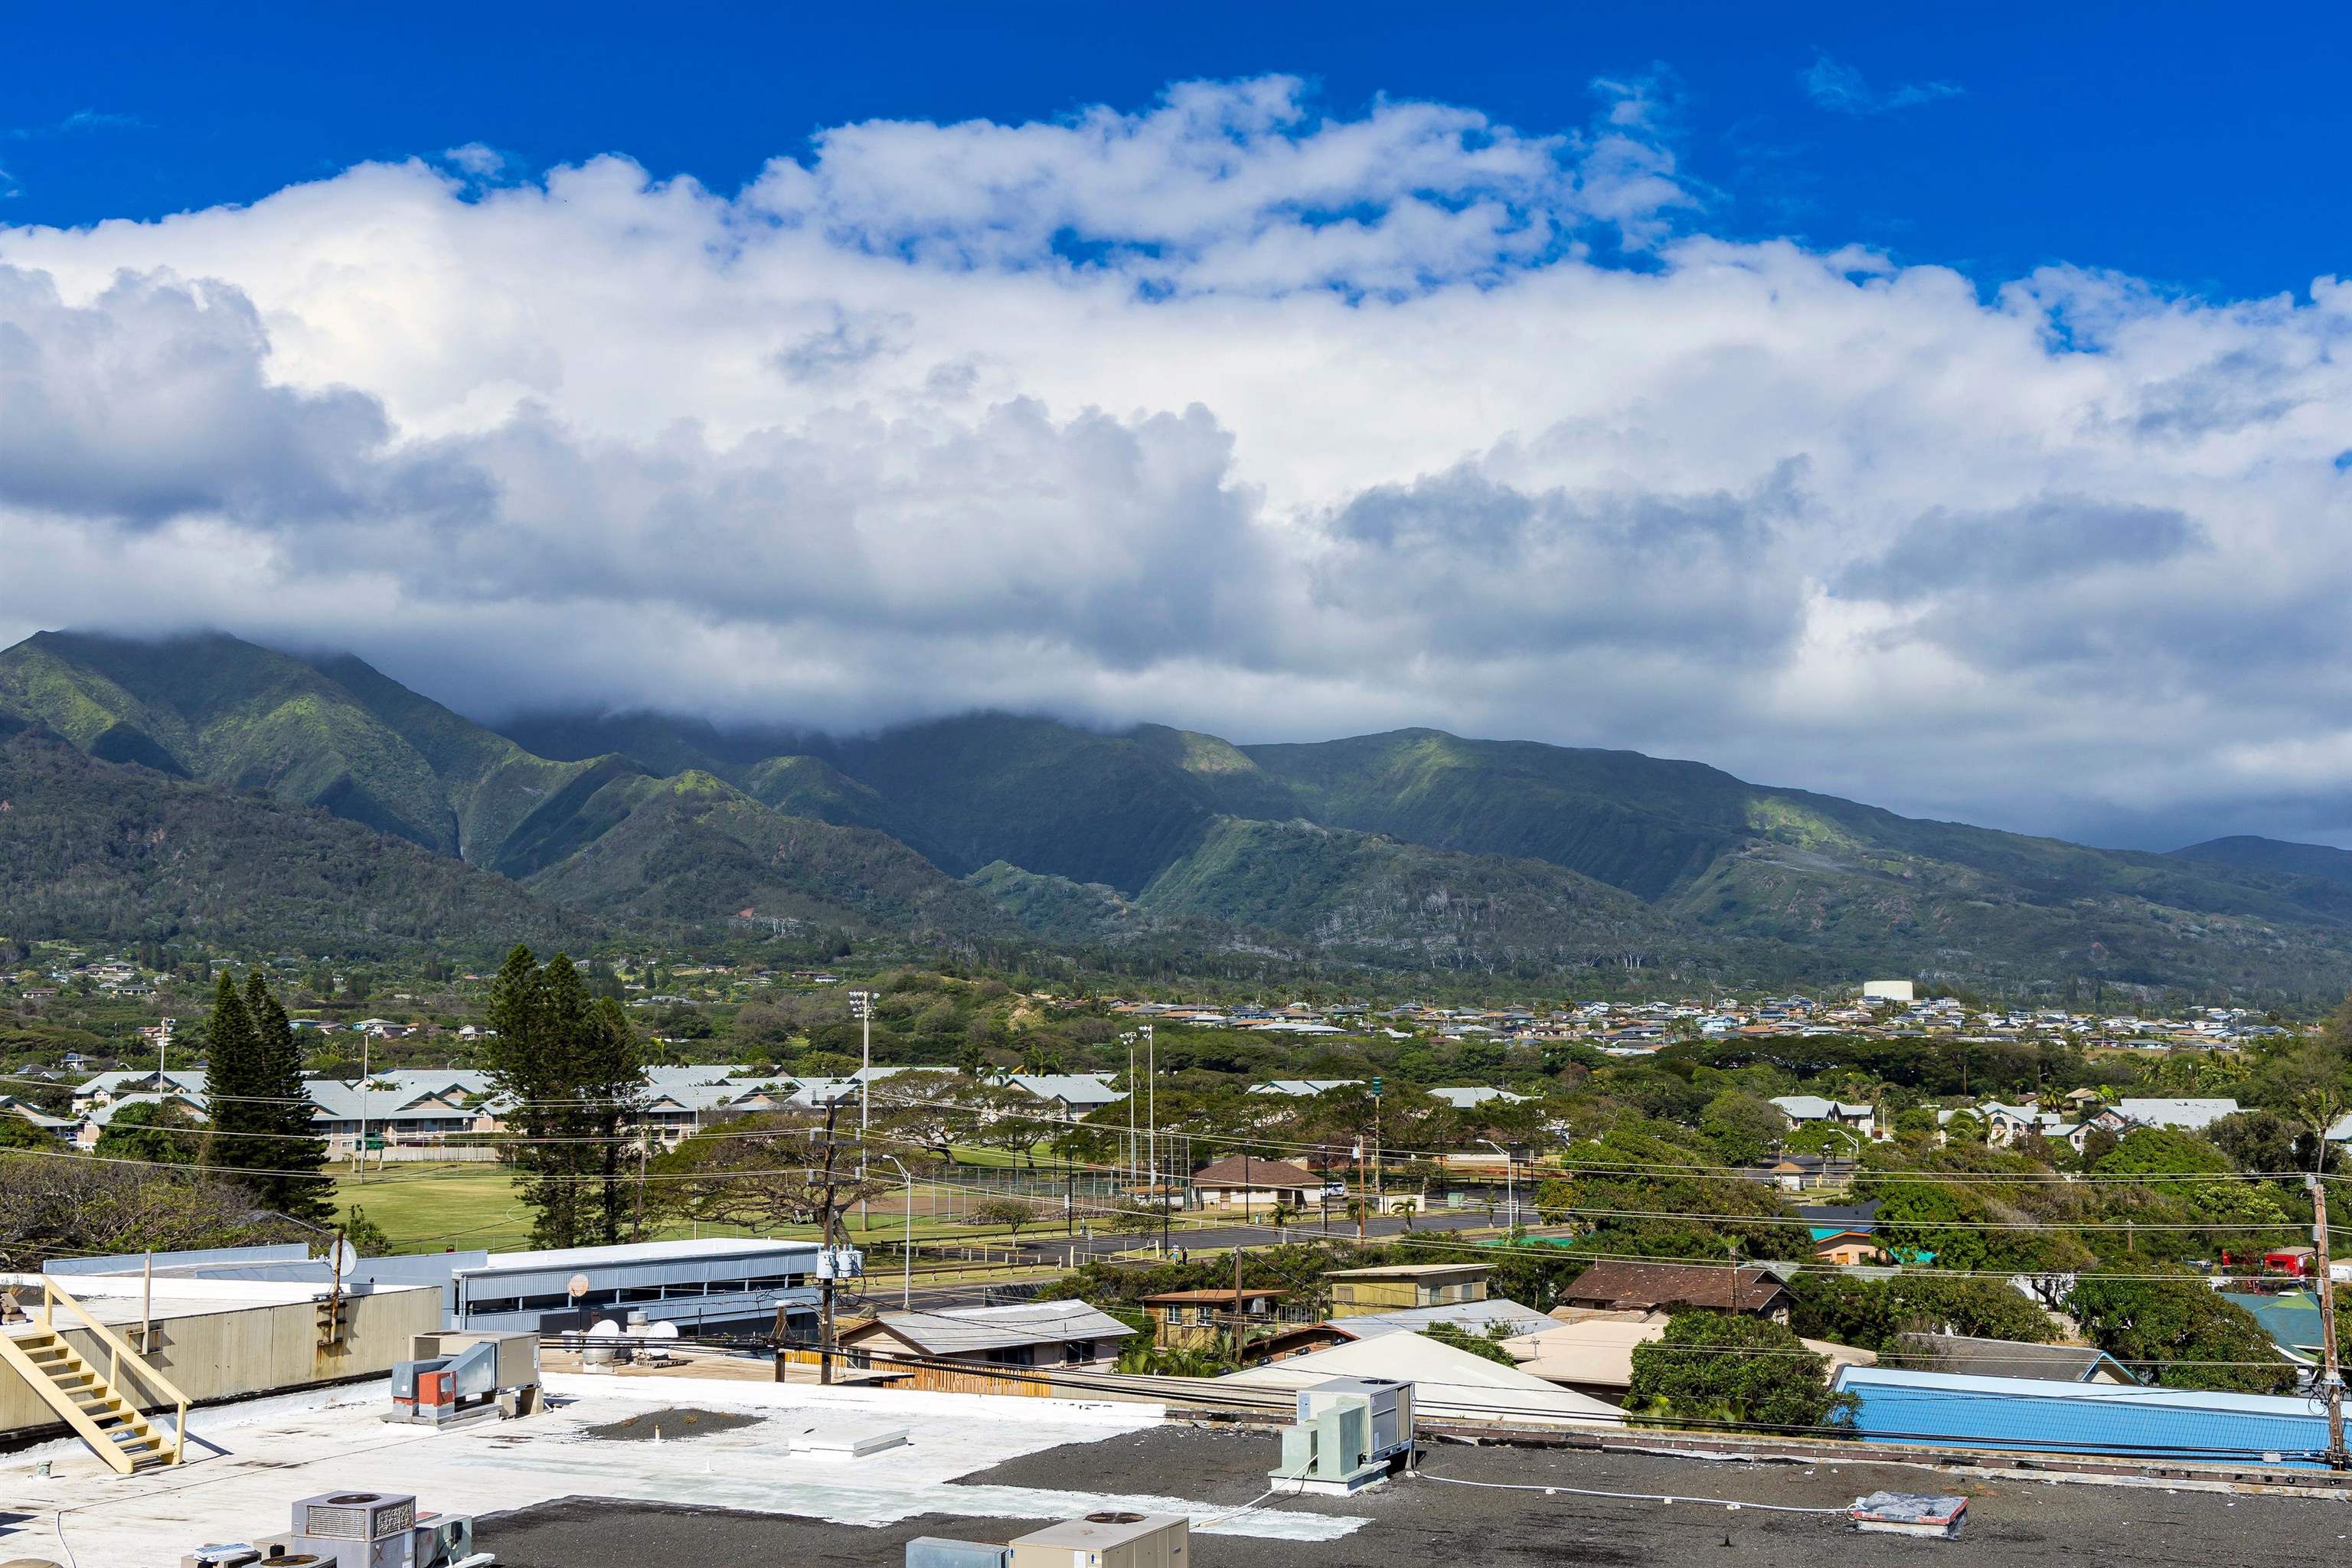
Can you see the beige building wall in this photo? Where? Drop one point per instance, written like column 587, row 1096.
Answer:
column 240, row 1350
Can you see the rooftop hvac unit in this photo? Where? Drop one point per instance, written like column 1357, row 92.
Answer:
column 1388, row 1404
column 938, row 1552
column 355, row 1516
column 1350, row 1433
column 1108, row 1539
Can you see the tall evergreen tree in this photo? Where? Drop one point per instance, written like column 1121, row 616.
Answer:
column 567, row 1064
column 234, row 1088
column 303, row 1190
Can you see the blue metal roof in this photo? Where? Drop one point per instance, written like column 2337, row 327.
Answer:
column 2031, row 1413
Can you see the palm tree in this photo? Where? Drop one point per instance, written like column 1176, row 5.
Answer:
column 1405, row 1209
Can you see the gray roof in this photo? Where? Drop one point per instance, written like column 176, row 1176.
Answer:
column 2189, row 1115
column 1084, row 1089
column 1969, row 1355
column 191, row 1080
column 1472, row 1317
column 962, row 1330
column 1462, row 1098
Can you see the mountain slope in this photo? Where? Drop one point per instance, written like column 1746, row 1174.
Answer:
column 2244, row 852
column 1365, row 895
column 1410, row 850
column 694, row 850
column 92, row 851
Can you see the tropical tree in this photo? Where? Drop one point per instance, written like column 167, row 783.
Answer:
column 1009, row 1212
column 1713, row 1367
column 2182, row 1332
column 155, row 1133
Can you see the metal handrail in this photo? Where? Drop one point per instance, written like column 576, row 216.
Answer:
column 53, row 1293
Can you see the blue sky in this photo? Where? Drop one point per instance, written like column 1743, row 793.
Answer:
column 1946, row 407
column 2193, row 145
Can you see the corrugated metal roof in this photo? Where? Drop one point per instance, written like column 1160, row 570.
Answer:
column 2090, row 1418
column 966, row 1329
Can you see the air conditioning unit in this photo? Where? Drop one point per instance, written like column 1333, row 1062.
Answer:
column 443, row 1539
column 1108, row 1539
column 1351, row 1432
column 938, row 1552
column 355, row 1516
column 1388, row 1405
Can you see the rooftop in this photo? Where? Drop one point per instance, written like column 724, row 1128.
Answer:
column 647, row 1252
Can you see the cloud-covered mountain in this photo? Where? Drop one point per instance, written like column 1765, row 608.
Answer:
column 1228, row 411
column 1412, row 850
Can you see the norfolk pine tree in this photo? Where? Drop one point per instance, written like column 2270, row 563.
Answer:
column 567, row 1064
column 304, row 1192
column 234, row 1089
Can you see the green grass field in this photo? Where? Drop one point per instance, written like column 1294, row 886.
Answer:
column 428, row 1208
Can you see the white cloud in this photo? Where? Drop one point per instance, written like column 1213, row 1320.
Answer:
column 1225, row 412
column 1842, row 88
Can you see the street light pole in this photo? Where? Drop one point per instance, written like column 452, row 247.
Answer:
column 1510, row 1187
column 907, row 1252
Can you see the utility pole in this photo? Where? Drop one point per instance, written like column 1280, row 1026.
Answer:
column 641, row 1181
column 1151, row 1097
column 1237, row 1303
column 359, row 1150
column 826, row 1271
column 2332, row 1370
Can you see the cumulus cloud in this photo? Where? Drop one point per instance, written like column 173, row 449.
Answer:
column 1228, row 411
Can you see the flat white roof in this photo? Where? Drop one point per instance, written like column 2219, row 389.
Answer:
column 641, row 1252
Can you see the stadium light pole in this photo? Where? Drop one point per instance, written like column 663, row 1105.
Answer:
column 861, row 1007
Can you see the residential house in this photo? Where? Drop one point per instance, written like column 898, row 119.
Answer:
column 1074, row 1094
column 59, row 1127
column 1404, row 1286
column 1064, row 1334
column 92, row 1124
column 1842, row 1234
column 108, row 1087
column 1974, row 1356
column 1593, row 1352
column 2179, row 1115
column 1803, row 1110
column 1303, row 1088
column 1617, row 1286
column 1468, row 1096
column 1203, row 1320
column 1247, row 1180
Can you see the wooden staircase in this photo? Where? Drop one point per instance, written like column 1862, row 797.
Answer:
column 94, row 1404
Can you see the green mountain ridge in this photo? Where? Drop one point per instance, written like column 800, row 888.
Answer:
column 1412, row 849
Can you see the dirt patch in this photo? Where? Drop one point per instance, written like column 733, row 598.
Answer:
column 669, row 1425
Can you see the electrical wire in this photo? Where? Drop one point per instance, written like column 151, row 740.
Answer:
column 1419, row 1473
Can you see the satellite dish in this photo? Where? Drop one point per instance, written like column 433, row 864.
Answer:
column 347, row 1257
column 664, row 1330
column 603, row 1328
column 577, row 1286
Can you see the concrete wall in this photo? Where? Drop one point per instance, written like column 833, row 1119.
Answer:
column 243, row 1349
